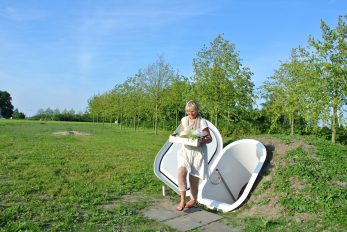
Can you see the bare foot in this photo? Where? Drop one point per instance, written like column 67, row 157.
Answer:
column 191, row 203
column 180, row 207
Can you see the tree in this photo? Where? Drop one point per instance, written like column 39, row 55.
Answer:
column 6, row 107
column 119, row 104
column 18, row 115
column 273, row 92
column 293, row 92
column 223, row 86
column 135, row 98
column 297, row 81
column 309, row 88
column 331, row 55
column 95, row 106
column 175, row 97
column 155, row 79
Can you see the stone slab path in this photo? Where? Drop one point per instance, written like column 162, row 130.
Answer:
column 188, row 219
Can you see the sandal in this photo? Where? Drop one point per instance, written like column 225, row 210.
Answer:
column 180, row 207
column 191, row 203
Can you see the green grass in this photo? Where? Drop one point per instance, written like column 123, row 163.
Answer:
column 321, row 192
column 310, row 186
column 78, row 183
column 61, row 183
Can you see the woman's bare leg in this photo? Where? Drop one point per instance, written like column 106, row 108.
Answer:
column 182, row 187
column 194, row 188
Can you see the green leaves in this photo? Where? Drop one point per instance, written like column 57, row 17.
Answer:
column 222, row 84
column 311, row 85
column 330, row 55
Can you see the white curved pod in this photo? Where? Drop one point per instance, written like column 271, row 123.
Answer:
column 165, row 163
column 233, row 174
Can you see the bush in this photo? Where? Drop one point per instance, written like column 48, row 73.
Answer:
column 18, row 115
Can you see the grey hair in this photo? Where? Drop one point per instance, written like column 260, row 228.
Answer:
column 192, row 104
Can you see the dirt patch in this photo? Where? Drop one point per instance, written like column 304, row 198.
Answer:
column 341, row 184
column 303, row 217
column 130, row 199
column 77, row 133
column 138, row 196
column 281, row 148
column 262, row 206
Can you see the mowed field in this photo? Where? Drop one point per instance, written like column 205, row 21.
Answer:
column 103, row 181
column 68, row 182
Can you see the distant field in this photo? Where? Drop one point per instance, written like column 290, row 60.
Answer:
column 56, row 182
column 101, row 181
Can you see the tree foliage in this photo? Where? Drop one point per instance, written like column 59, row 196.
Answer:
column 305, row 92
column 153, row 81
column 6, row 107
column 18, row 115
column 66, row 115
column 223, row 86
column 312, row 85
column 331, row 53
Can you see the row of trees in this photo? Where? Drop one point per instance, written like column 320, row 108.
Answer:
column 158, row 93
column 311, row 86
column 304, row 94
column 65, row 115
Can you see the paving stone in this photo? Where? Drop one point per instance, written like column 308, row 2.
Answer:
column 163, row 211
column 192, row 210
column 183, row 223
column 219, row 227
column 204, row 217
column 161, row 215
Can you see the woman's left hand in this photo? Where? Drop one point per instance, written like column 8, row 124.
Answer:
column 200, row 142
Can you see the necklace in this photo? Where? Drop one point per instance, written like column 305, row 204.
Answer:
column 191, row 123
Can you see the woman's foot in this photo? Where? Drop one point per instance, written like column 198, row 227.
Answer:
column 180, row 207
column 191, row 203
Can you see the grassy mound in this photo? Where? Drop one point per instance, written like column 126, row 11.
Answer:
column 302, row 187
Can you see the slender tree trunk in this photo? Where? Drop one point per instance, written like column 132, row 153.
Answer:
column 156, row 119
column 292, row 124
column 333, row 123
column 135, row 122
column 273, row 124
column 216, row 119
column 153, row 122
column 121, row 121
column 176, row 118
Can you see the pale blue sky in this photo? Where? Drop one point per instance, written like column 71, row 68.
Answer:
column 58, row 54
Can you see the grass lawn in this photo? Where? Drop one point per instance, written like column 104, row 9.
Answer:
column 52, row 182
column 55, row 182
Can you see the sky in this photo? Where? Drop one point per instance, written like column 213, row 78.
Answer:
column 59, row 54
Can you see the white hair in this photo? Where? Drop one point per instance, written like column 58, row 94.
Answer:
column 192, row 105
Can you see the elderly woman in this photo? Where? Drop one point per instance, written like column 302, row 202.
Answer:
column 192, row 160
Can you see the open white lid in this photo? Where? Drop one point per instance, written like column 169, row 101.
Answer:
column 165, row 163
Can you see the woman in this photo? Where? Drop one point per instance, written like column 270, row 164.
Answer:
column 192, row 160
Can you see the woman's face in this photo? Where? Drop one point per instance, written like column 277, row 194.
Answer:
column 192, row 113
